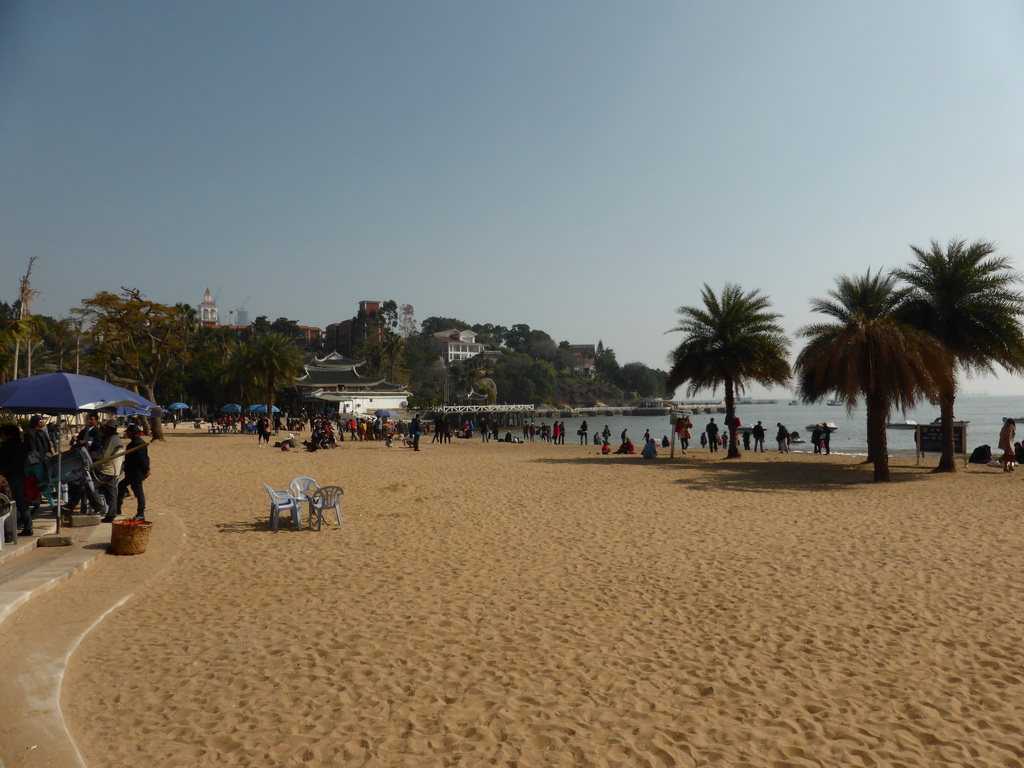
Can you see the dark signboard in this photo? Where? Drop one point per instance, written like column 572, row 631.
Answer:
column 930, row 438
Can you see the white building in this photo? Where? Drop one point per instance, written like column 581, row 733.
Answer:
column 458, row 345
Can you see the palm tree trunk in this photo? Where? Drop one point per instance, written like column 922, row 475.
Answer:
column 878, row 448
column 947, row 461
column 730, row 419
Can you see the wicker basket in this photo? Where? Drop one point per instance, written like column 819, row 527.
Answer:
column 129, row 538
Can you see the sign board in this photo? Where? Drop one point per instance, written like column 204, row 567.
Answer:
column 929, row 438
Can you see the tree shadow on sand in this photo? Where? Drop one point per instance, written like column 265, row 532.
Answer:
column 757, row 477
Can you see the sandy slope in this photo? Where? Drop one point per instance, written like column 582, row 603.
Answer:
column 493, row 604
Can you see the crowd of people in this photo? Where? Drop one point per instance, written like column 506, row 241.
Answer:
column 100, row 470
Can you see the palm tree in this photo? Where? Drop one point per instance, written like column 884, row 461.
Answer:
column 868, row 351
column 274, row 361
column 732, row 340
column 966, row 298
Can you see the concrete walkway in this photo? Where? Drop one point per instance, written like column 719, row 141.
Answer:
column 27, row 571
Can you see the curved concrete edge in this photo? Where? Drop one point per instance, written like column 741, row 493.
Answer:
column 42, row 722
column 40, row 580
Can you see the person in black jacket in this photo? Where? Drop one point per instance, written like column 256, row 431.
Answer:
column 12, row 467
column 136, row 470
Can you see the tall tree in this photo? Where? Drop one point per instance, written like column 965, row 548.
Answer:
column 866, row 350
column 732, row 340
column 274, row 362
column 968, row 299
column 138, row 340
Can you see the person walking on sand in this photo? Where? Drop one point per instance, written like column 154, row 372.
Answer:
column 1006, row 437
column 712, row 432
column 782, row 437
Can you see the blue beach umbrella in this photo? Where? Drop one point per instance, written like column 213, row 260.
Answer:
column 62, row 393
column 261, row 408
column 384, row 413
column 177, row 407
column 59, row 393
column 231, row 408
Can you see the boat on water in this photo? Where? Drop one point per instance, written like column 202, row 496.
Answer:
column 911, row 424
column 834, row 402
column 829, row 424
column 794, row 402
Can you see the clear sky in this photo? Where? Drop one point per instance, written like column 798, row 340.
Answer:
column 579, row 166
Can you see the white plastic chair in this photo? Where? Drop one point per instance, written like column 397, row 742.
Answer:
column 282, row 501
column 302, row 487
column 323, row 499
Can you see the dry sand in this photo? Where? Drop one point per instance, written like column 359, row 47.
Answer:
column 534, row 605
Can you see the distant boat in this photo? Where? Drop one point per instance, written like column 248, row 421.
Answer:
column 908, row 424
column 812, row 427
column 833, row 402
column 794, row 402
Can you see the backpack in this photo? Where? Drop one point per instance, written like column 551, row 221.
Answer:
column 981, row 455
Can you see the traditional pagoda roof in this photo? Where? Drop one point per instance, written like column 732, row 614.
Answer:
column 334, row 362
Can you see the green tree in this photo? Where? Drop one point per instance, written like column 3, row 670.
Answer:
column 967, row 298
column 867, row 350
column 433, row 325
column 138, row 340
column 274, row 362
column 639, row 378
column 287, row 328
column 521, row 379
column 732, row 340
column 605, row 365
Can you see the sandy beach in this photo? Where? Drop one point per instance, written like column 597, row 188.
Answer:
column 537, row 605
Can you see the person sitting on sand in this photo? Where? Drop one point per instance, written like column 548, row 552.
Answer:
column 650, row 450
column 627, row 447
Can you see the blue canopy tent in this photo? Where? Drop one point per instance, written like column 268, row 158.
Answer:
column 63, row 393
column 231, row 408
column 261, row 408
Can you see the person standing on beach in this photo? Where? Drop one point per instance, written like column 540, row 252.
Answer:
column 782, row 437
column 1006, row 437
column 108, row 468
column 136, row 470
column 414, row 430
column 12, row 467
column 826, row 437
column 712, row 432
column 622, row 437
column 584, row 430
column 816, row 438
column 758, row 432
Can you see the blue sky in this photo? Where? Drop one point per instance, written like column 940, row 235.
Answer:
column 581, row 167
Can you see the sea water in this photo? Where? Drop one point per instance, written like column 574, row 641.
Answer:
column 984, row 412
